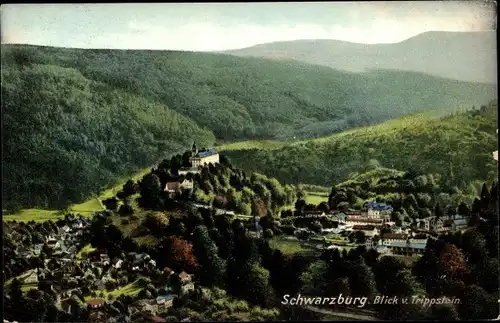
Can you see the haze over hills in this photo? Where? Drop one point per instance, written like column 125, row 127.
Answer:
column 465, row 56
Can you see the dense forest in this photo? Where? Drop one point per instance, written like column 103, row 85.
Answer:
column 457, row 146
column 77, row 119
column 65, row 136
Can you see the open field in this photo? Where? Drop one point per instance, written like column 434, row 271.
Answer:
column 288, row 244
column 86, row 208
column 253, row 144
column 316, row 198
column 130, row 289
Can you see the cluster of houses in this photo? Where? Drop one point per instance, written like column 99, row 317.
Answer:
column 374, row 219
column 443, row 224
column 62, row 247
column 143, row 309
column 73, row 275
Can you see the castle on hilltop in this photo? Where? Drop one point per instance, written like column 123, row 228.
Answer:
column 203, row 156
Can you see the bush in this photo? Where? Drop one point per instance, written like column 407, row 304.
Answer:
column 268, row 233
column 125, row 221
column 125, row 210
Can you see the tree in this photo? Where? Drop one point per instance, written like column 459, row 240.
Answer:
column 15, row 291
column 186, row 159
column 126, row 210
column 130, row 188
column 212, row 266
column 478, row 305
column 316, row 226
column 444, row 312
column 324, row 207
column 268, row 233
column 111, row 203
column 361, row 279
column 360, row 236
column 150, row 186
column 451, row 262
column 180, row 252
column 439, row 211
column 313, row 279
column 256, row 286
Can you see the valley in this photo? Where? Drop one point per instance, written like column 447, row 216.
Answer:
column 146, row 184
column 108, row 124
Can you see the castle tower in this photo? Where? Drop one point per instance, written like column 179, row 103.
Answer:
column 194, row 150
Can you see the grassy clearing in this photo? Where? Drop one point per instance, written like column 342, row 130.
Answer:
column 87, row 208
column 131, row 289
column 253, row 144
column 316, row 198
column 85, row 251
column 37, row 215
column 287, row 245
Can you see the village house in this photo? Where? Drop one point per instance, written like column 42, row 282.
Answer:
column 388, row 238
column 117, row 263
column 186, row 283
column 203, row 156
column 430, row 224
column 166, row 301
column 313, row 214
column 171, row 188
column 364, row 221
column 419, row 238
column 370, row 243
column 339, row 217
column 378, row 208
column 32, row 278
column 369, row 230
column 406, row 248
column 95, row 303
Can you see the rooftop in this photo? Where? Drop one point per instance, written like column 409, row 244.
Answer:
column 97, row 301
column 205, row 152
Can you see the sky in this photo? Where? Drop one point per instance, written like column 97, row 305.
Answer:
column 223, row 26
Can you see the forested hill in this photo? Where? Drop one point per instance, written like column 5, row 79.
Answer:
column 65, row 136
column 466, row 56
column 458, row 147
column 241, row 98
column 76, row 119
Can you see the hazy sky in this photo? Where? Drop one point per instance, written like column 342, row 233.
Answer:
column 220, row 26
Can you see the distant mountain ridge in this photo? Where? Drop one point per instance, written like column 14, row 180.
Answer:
column 464, row 56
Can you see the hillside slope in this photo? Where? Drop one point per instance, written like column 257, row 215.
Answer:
column 459, row 147
column 76, row 119
column 65, row 136
column 466, row 56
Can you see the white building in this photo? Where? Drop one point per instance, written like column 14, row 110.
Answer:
column 370, row 243
column 203, row 156
column 369, row 230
